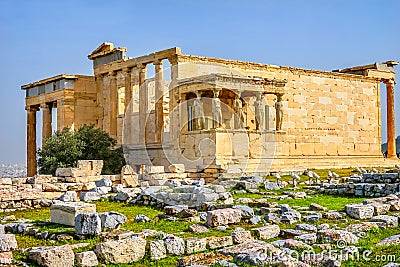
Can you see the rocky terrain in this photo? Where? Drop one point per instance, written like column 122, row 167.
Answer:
column 293, row 220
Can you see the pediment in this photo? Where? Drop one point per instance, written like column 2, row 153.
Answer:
column 102, row 49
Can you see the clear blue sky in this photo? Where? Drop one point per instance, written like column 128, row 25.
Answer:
column 44, row 38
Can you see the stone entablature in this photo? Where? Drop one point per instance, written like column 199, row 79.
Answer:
column 234, row 82
column 118, row 65
column 271, row 68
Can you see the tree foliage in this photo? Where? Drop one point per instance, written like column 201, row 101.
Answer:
column 64, row 148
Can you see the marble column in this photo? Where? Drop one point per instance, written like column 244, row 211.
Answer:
column 46, row 121
column 176, row 111
column 128, row 87
column 143, row 103
column 391, row 124
column 99, row 99
column 159, row 95
column 31, row 141
column 113, row 104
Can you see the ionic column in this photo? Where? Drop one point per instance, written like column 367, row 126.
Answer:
column 174, row 70
column 100, row 100
column 31, row 141
column 113, row 104
column 175, row 111
column 391, row 125
column 46, row 121
column 128, row 87
column 143, row 105
column 159, row 95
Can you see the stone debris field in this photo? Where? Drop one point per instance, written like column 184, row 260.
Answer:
column 164, row 218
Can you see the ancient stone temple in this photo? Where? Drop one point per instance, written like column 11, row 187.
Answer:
column 220, row 115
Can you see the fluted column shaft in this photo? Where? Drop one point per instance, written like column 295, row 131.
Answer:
column 31, row 141
column 113, row 104
column 46, row 121
column 128, row 87
column 143, row 105
column 391, row 124
column 159, row 95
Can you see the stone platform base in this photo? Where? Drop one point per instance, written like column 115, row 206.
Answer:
column 285, row 165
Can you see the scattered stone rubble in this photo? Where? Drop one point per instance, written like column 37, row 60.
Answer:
column 207, row 206
column 241, row 246
column 8, row 243
column 367, row 185
column 57, row 256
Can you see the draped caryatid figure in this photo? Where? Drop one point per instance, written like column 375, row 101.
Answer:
column 239, row 114
column 199, row 113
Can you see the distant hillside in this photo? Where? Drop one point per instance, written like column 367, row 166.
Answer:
column 384, row 146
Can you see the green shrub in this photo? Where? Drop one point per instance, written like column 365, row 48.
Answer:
column 65, row 148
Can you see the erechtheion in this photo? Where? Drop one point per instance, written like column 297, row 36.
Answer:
column 219, row 115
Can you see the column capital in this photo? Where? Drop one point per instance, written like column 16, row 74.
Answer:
column 99, row 76
column 46, row 105
column 32, row 108
column 126, row 70
column 173, row 60
column 141, row 66
column 112, row 73
column 157, row 62
column 389, row 82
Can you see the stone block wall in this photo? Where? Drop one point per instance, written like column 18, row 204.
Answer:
column 389, row 178
column 363, row 189
column 330, row 119
column 369, row 185
column 37, row 191
column 325, row 113
column 18, row 196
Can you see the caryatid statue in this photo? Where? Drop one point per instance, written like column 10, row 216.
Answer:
column 239, row 118
column 279, row 112
column 199, row 113
column 216, row 110
column 258, row 110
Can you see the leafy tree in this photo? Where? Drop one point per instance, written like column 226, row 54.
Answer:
column 65, row 148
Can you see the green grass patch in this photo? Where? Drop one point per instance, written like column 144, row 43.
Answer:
column 378, row 256
column 34, row 214
column 331, row 202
